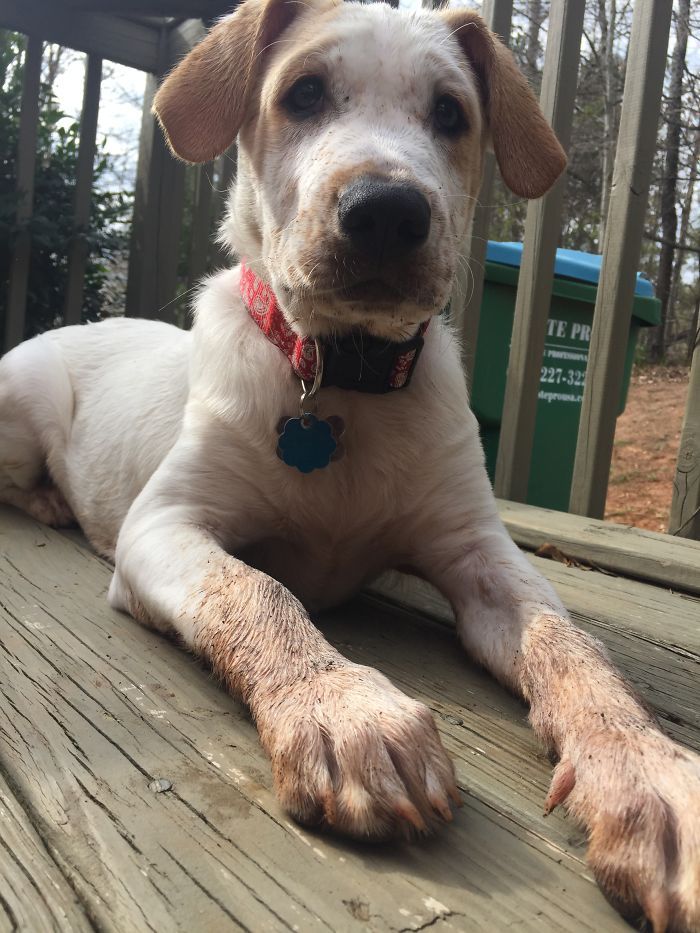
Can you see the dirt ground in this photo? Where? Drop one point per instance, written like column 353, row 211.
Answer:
column 646, row 448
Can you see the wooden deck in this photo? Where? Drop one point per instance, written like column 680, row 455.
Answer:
column 94, row 709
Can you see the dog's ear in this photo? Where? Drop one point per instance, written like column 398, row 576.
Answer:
column 529, row 155
column 202, row 102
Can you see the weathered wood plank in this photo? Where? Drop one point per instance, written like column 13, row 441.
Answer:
column 646, row 62
column 26, row 161
column 109, row 706
column 633, row 552
column 78, row 250
column 34, row 895
column 639, row 610
column 542, row 228
column 468, row 290
column 685, row 507
column 120, row 40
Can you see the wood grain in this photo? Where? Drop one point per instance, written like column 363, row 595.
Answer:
column 94, row 707
column 34, row 895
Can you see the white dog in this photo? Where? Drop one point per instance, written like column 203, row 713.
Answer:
column 192, row 460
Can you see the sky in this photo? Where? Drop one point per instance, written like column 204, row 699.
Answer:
column 119, row 121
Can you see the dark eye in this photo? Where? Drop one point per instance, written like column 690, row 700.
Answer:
column 449, row 118
column 304, row 97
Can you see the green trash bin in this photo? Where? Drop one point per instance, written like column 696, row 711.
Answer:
column 563, row 367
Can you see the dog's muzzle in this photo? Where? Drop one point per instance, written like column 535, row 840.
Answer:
column 382, row 219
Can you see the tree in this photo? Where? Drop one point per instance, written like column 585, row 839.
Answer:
column 51, row 224
column 669, row 185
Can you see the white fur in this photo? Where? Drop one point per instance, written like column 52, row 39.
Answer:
column 162, row 443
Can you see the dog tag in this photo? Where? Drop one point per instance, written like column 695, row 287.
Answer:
column 307, row 443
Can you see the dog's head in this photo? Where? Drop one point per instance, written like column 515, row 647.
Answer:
column 361, row 137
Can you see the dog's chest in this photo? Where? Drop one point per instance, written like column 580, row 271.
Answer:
column 326, row 532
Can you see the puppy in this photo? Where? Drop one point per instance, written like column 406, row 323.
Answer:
column 313, row 429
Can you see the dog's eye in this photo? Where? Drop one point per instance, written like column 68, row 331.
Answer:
column 305, row 96
column 448, row 115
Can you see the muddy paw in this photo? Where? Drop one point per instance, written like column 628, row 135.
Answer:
column 349, row 751
column 638, row 794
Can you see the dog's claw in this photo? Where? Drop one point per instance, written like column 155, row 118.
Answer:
column 657, row 907
column 563, row 782
column 441, row 806
column 407, row 811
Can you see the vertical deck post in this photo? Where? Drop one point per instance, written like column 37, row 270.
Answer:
column 26, row 162
column 201, row 223
column 468, row 291
column 685, row 507
column 158, row 206
column 646, row 63
column 78, row 251
column 542, row 227
column 226, row 166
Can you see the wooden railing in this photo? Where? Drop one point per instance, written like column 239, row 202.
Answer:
column 158, row 211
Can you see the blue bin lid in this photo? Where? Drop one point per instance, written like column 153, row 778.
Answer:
column 570, row 264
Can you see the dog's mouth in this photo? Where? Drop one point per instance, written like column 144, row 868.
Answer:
column 374, row 292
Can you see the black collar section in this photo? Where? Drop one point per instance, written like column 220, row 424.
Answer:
column 364, row 363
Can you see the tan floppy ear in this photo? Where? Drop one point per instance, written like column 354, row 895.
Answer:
column 529, row 155
column 202, row 102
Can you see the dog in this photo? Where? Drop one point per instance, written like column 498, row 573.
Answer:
column 313, row 429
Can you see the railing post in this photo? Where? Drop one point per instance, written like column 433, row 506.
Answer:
column 646, row 63
column 200, row 232
column 26, row 162
column 542, row 228
column 158, row 206
column 78, row 250
column 226, row 167
column 468, row 290
column 685, row 507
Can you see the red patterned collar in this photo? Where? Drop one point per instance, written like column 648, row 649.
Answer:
column 358, row 362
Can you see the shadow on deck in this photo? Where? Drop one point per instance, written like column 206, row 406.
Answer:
column 94, row 708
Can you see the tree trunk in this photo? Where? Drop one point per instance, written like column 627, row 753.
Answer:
column 52, row 66
column 686, row 211
column 669, row 184
column 533, row 50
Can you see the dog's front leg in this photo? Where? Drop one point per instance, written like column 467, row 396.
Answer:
column 348, row 749
column 636, row 791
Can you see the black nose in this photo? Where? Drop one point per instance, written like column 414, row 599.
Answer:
column 384, row 219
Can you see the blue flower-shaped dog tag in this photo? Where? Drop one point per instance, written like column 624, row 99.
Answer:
column 306, row 443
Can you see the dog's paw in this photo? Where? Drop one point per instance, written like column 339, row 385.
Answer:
column 638, row 794
column 351, row 752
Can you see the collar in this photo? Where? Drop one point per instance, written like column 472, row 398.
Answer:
column 359, row 361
